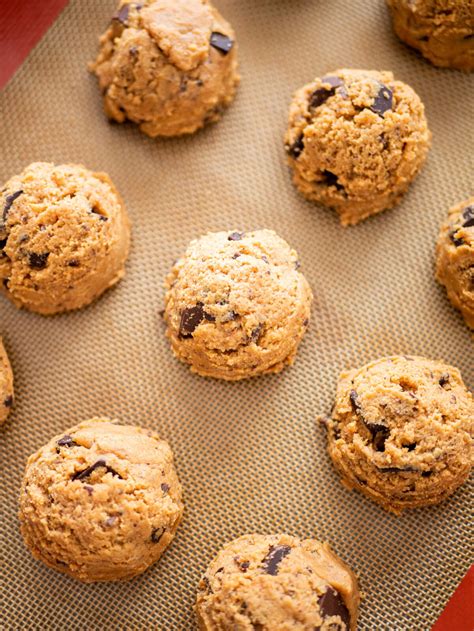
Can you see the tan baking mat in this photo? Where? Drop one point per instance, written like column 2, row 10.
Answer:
column 250, row 455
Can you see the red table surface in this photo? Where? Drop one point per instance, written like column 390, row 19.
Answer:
column 22, row 24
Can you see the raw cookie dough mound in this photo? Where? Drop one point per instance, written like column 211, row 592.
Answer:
column 355, row 141
column 170, row 66
column 401, row 431
column 277, row 583
column 64, row 237
column 236, row 305
column 100, row 502
column 442, row 30
column 455, row 258
column 6, row 384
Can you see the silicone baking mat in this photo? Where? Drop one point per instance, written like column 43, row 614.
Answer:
column 250, row 455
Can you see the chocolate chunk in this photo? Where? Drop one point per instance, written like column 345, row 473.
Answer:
column 66, row 441
column 101, row 216
column 457, row 241
column 8, row 204
column 410, row 446
column 355, row 401
column 209, row 317
column 221, row 42
column 156, row 534
column 73, row 263
column 383, row 101
column 88, row 488
column 256, row 332
column 122, row 14
column 190, row 319
column 244, row 566
column 165, row 487
column 296, row 148
column 236, row 255
column 81, row 475
column 207, row 585
column 332, row 180
column 426, row 474
column 331, row 604
column 396, row 469
column 274, row 557
column 322, row 94
column 380, row 433
column 444, row 379
column 3, row 243
column 38, row 261
column 8, row 402
column 235, row 236
column 468, row 217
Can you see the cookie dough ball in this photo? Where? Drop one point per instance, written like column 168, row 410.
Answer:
column 276, row 583
column 6, row 384
column 100, row 502
column 401, row 431
column 355, row 141
column 170, row 66
column 236, row 305
column 442, row 30
column 455, row 258
column 64, row 237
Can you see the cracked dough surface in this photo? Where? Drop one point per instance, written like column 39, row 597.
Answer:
column 236, row 305
column 277, row 583
column 355, row 141
column 442, row 30
column 64, row 237
column 455, row 258
column 101, row 501
column 170, row 66
column 6, row 384
column 401, row 431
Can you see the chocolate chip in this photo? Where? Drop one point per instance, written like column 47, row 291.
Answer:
column 38, row 261
column 209, row 317
column 457, row 241
column 355, row 401
column 191, row 318
column 73, row 263
column 410, row 446
column 122, row 14
column 89, row 489
column 207, row 585
column 396, row 469
column 244, row 566
column 221, row 42
column 256, row 332
column 156, row 534
column 81, row 475
column 322, row 94
column 235, row 236
column 8, row 204
column 265, row 259
column 296, row 148
column 8, row 402
column 331, row 604
column 383, row 101
column 165, row 487
column 236, row 255
column 274, row 557
column 444, row 379
column 468, row 217
column 426, row 474
column 380, row 433
column 332, row 180
column 3, row 243
column 100, row 215
column 66, row 441
column 297, row 265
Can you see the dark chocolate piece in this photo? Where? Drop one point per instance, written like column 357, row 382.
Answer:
column 38, row 261
column 8, row 204
column 383, row 101
column 81, row 475
column 190, row 319
column 274, row 557
column 8, row 402
column 235, row 236
column 73, row 263
column 3, row 243
column 457, row 241
column 380, row 433
column 468, row 217
column 410, row 446
column 256, row 332
column 332, row 180
column 331, row 604
column 156, row 534
column 165, row 487
column 66, row 441
column 296, row 148
column 444, row 379
column 96, row 211
column 221, row 42
column 355, row 402
column 322, row 94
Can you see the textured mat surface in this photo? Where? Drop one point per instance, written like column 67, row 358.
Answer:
column 250, row 455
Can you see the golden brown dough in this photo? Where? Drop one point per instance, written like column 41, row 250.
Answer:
column 6, row 384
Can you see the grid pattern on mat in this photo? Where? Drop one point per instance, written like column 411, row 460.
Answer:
column 250, row 455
